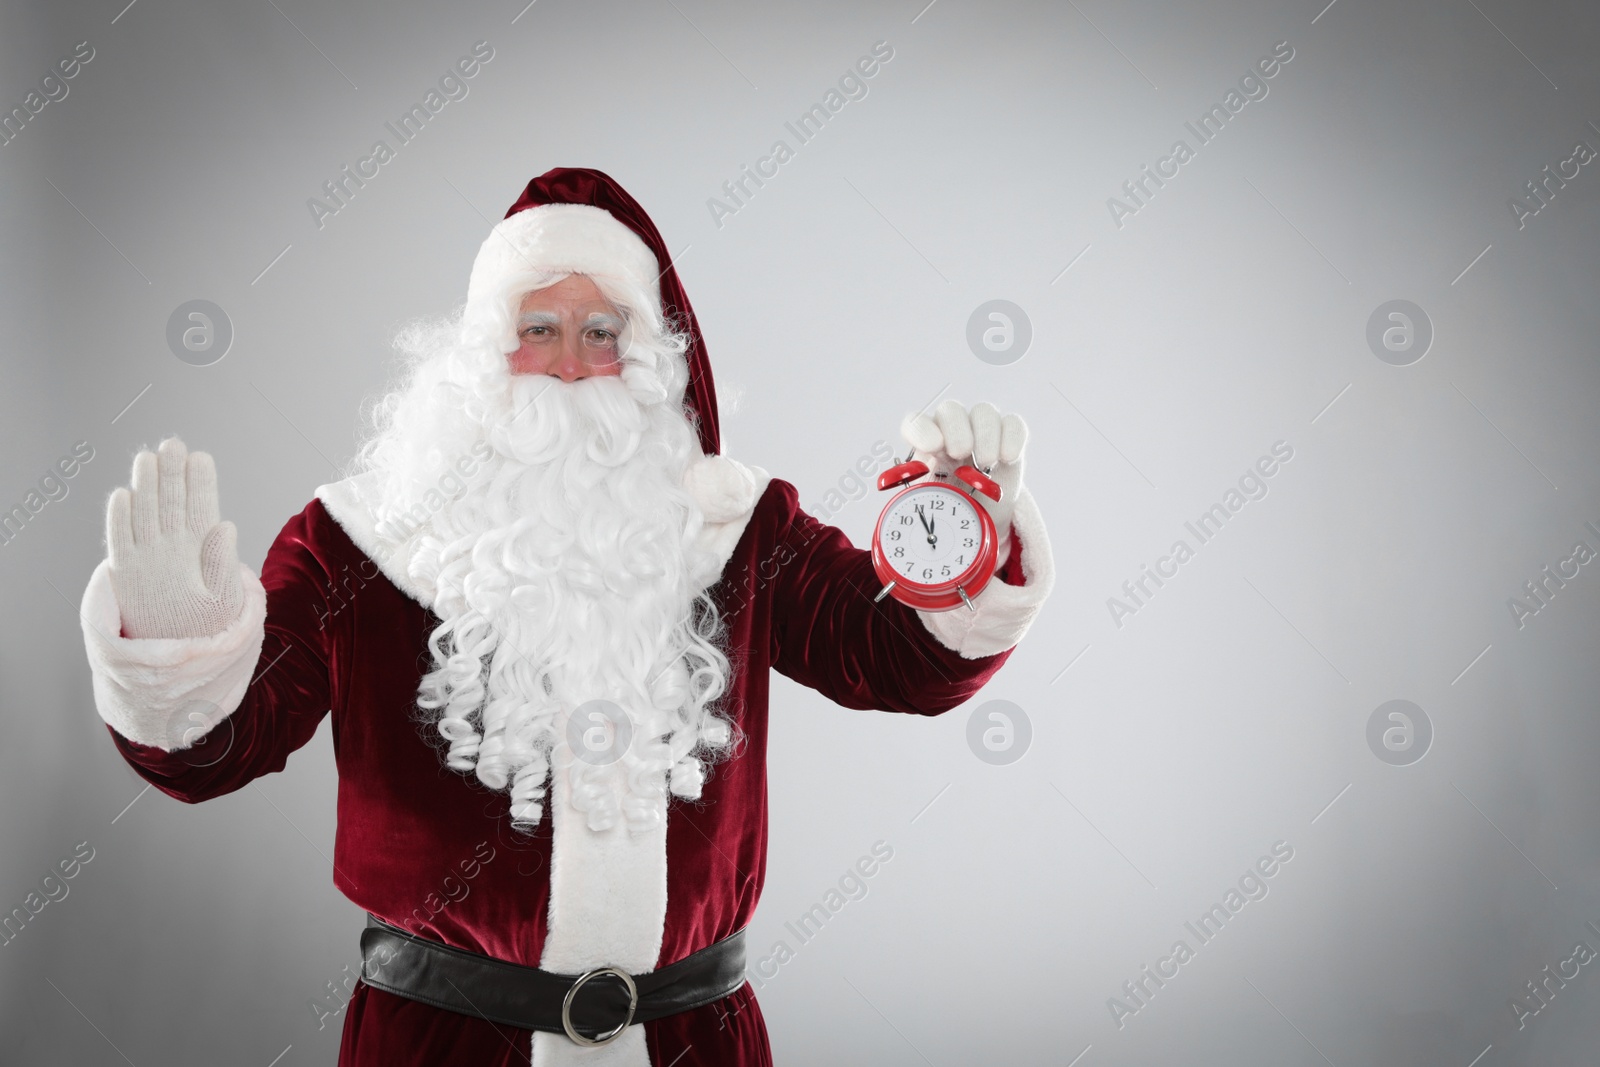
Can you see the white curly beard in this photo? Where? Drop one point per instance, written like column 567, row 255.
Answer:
column 562, row 577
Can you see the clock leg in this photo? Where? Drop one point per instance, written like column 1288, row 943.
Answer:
column 965, row 599
column 883, row 592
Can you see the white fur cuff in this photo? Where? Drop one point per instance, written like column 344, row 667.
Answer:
column 1004, row 612
column 169, row 692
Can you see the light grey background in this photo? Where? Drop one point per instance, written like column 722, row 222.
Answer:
column 1228, row 314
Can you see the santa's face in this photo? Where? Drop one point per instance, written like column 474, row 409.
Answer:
column 569, row 571
column 568, row 330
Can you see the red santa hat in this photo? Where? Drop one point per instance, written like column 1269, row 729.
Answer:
column 580, row 220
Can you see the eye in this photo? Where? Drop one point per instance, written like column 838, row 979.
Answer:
column 534, row 330
column 603, row 335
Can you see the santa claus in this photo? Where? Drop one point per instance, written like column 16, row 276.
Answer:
column 542, row 617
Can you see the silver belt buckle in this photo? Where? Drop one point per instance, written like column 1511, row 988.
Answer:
column 612, row 1035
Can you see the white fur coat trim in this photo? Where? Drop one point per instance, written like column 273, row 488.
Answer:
column 169, row 692
column 1004, row 612
column 608, row 907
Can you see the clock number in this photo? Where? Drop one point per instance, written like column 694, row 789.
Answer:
column 894, row 535
column 905, row 520
column 899, row 550
column 927, row 572
column 966, row 523
column 967, row 542
column 938, row 505
column 946, row 571
column 961, row 559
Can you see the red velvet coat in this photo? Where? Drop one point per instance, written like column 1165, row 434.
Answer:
column 432, row 850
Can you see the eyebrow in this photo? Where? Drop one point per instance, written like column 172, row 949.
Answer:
column 550, row 318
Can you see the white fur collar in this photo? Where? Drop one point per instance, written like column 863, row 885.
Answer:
column 726, row 489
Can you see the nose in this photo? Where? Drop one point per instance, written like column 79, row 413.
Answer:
column 570, row 365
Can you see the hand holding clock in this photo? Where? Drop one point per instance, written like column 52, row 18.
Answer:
column 953, row 436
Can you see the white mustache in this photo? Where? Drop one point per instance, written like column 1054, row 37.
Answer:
column 549, row 418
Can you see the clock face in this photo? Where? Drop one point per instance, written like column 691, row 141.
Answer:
column 931, row 535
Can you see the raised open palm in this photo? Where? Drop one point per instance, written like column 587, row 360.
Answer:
column 174, row 563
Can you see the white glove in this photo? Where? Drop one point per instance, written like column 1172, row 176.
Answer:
column 174, row 564
column 953, row 437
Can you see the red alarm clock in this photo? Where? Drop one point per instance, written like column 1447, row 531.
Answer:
column 934, row 546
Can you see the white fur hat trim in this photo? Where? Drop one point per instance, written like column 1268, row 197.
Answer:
column 576, row 238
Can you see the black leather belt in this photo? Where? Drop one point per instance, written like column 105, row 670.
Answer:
column 591, row 1008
